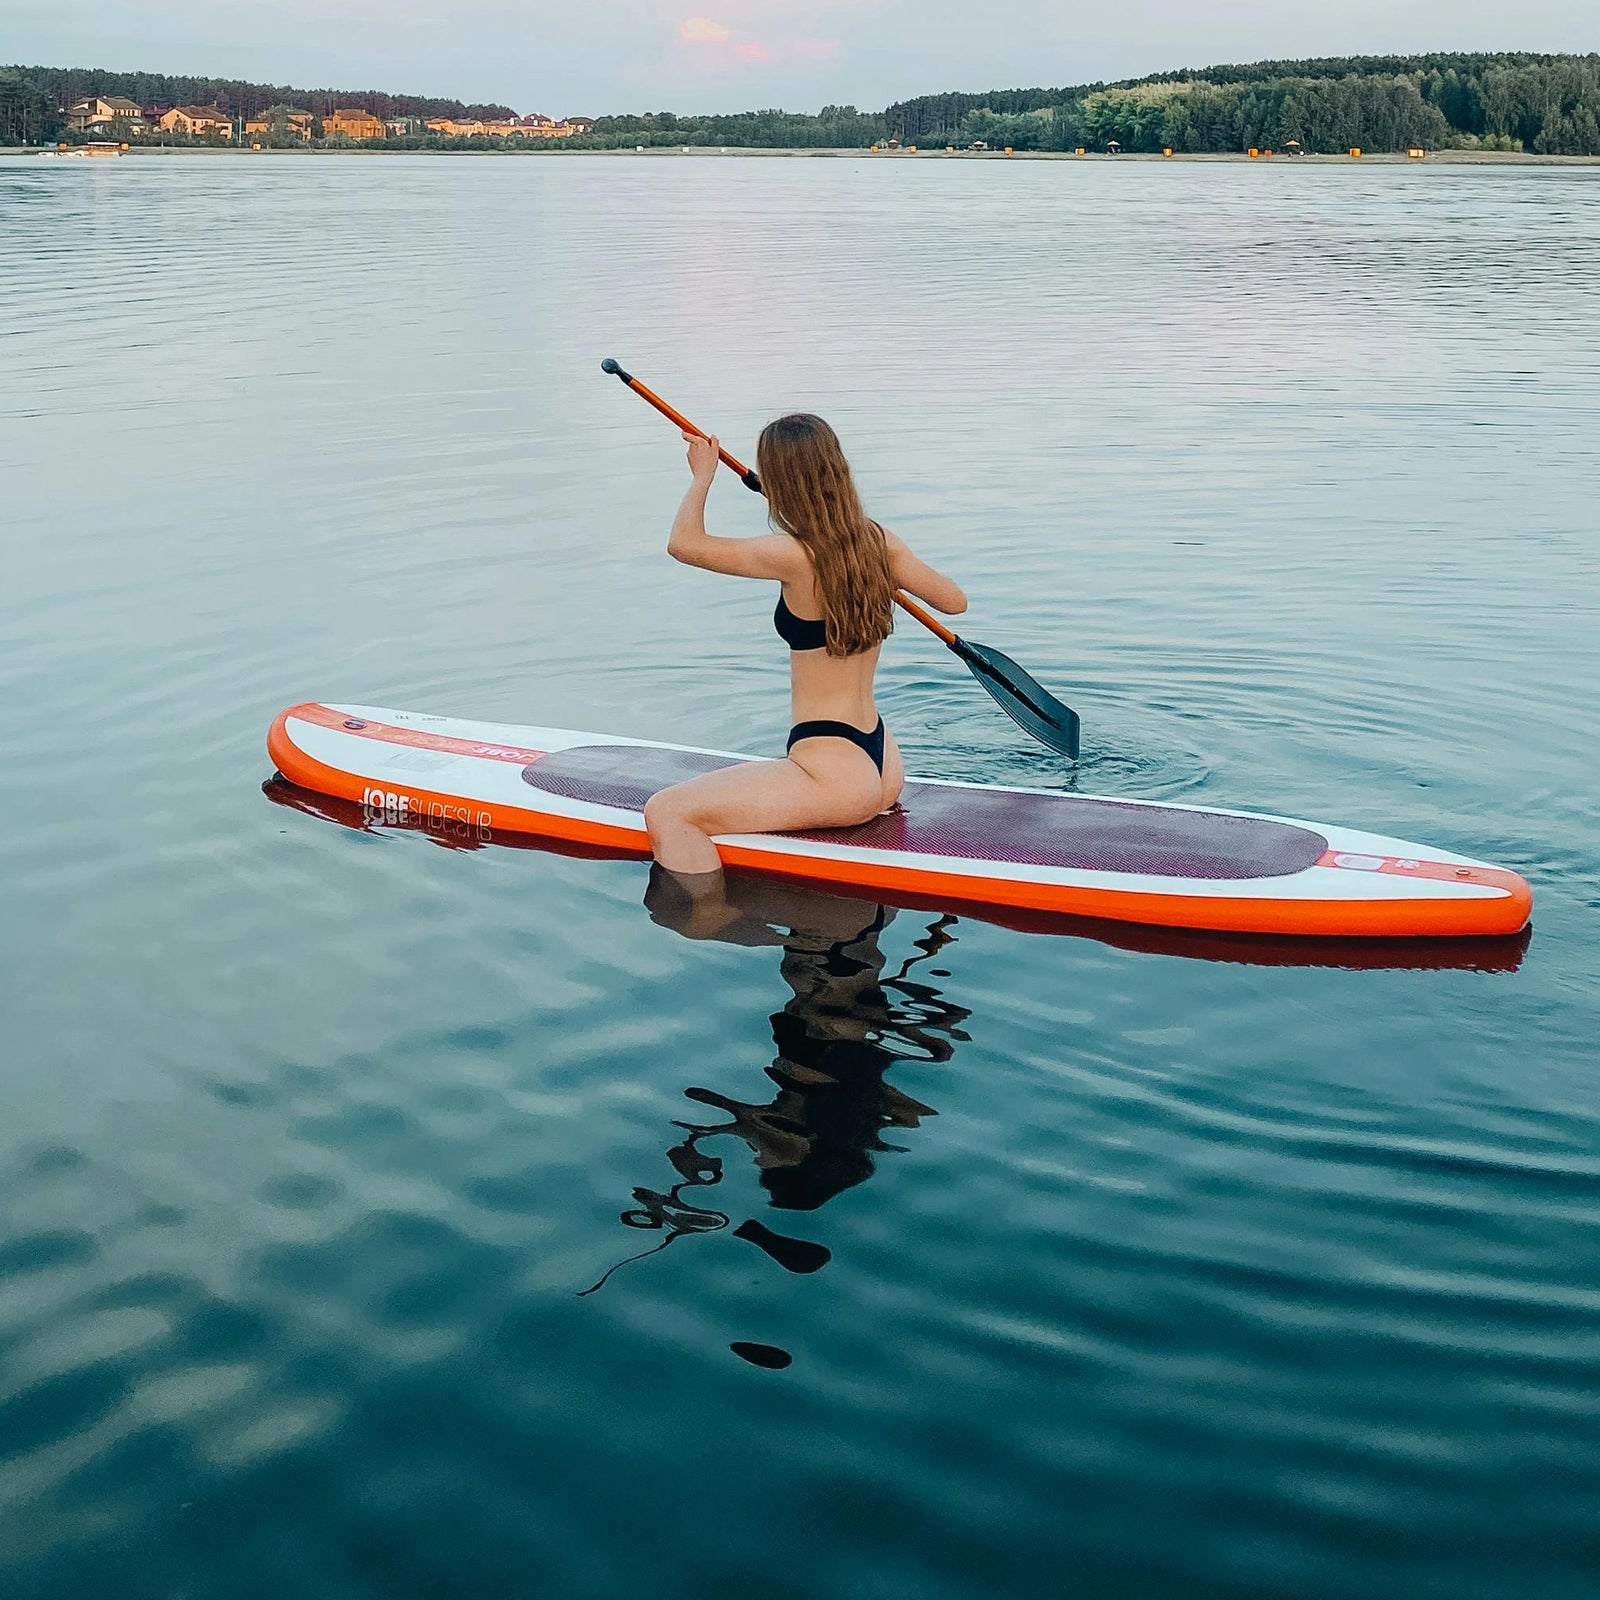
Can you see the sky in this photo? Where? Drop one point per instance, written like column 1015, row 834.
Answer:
column 591, row 57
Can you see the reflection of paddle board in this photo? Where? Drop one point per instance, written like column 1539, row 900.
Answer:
column 1126, row 860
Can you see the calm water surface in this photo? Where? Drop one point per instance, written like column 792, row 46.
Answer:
column 934, row 1258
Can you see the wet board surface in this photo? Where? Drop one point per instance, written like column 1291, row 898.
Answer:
column 1015, row 825
column 1163, row 865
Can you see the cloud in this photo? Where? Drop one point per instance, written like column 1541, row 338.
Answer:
column 715, row 47
column 703, row 30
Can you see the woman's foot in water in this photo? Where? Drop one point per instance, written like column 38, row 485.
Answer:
column 694, row 904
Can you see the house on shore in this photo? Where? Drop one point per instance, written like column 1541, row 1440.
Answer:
column 354, row 123
column 533, row 126
column 281, row 122
column 97, row 113
column 199, row 122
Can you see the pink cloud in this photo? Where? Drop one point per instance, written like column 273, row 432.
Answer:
column 703, row 30
column 715, row 47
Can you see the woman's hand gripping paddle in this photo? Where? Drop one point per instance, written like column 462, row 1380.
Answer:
column 1021, row 696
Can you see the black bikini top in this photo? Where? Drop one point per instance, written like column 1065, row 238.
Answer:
column 799, row 633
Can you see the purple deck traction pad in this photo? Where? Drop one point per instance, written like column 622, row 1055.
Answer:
column 1001, row 825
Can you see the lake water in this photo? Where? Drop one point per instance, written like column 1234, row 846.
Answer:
column 970, row 1261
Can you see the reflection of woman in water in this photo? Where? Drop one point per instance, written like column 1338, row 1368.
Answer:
column 845, row 1026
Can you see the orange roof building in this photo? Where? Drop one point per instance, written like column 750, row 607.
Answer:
column 98, row 112
column 284, row 121
column 354, row 124
column 204, row 122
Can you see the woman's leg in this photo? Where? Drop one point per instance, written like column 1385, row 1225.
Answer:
column 836, row 787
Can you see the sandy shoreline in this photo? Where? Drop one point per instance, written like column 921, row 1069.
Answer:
column 1456, row 158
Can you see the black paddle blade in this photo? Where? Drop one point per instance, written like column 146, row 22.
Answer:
column 1023, row 698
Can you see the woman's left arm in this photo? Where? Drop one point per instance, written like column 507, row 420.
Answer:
column 769, row 556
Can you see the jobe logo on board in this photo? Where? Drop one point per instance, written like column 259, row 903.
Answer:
column 392, row 806
column 396, row 806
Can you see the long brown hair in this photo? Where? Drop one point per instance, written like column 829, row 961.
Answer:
column 813, row 499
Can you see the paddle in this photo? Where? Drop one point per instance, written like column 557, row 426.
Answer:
column 1021, row 696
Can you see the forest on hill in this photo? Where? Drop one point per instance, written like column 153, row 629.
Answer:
column 1546, row 104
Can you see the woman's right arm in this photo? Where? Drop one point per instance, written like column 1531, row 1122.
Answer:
column 916, row 577
column 772, row 555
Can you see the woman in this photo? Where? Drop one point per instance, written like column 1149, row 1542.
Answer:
column 839, row 571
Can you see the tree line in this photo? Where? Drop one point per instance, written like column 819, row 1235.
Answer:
column 834, row 127
column 1548, row 104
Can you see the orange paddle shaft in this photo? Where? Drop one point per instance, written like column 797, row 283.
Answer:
column 751, row 481
column 672, row 414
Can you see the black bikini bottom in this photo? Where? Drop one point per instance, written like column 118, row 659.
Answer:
column 872, row 742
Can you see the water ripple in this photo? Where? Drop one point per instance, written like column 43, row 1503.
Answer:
column 386, row 1215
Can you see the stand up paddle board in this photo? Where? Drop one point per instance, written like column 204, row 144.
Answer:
column 1035, row 849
